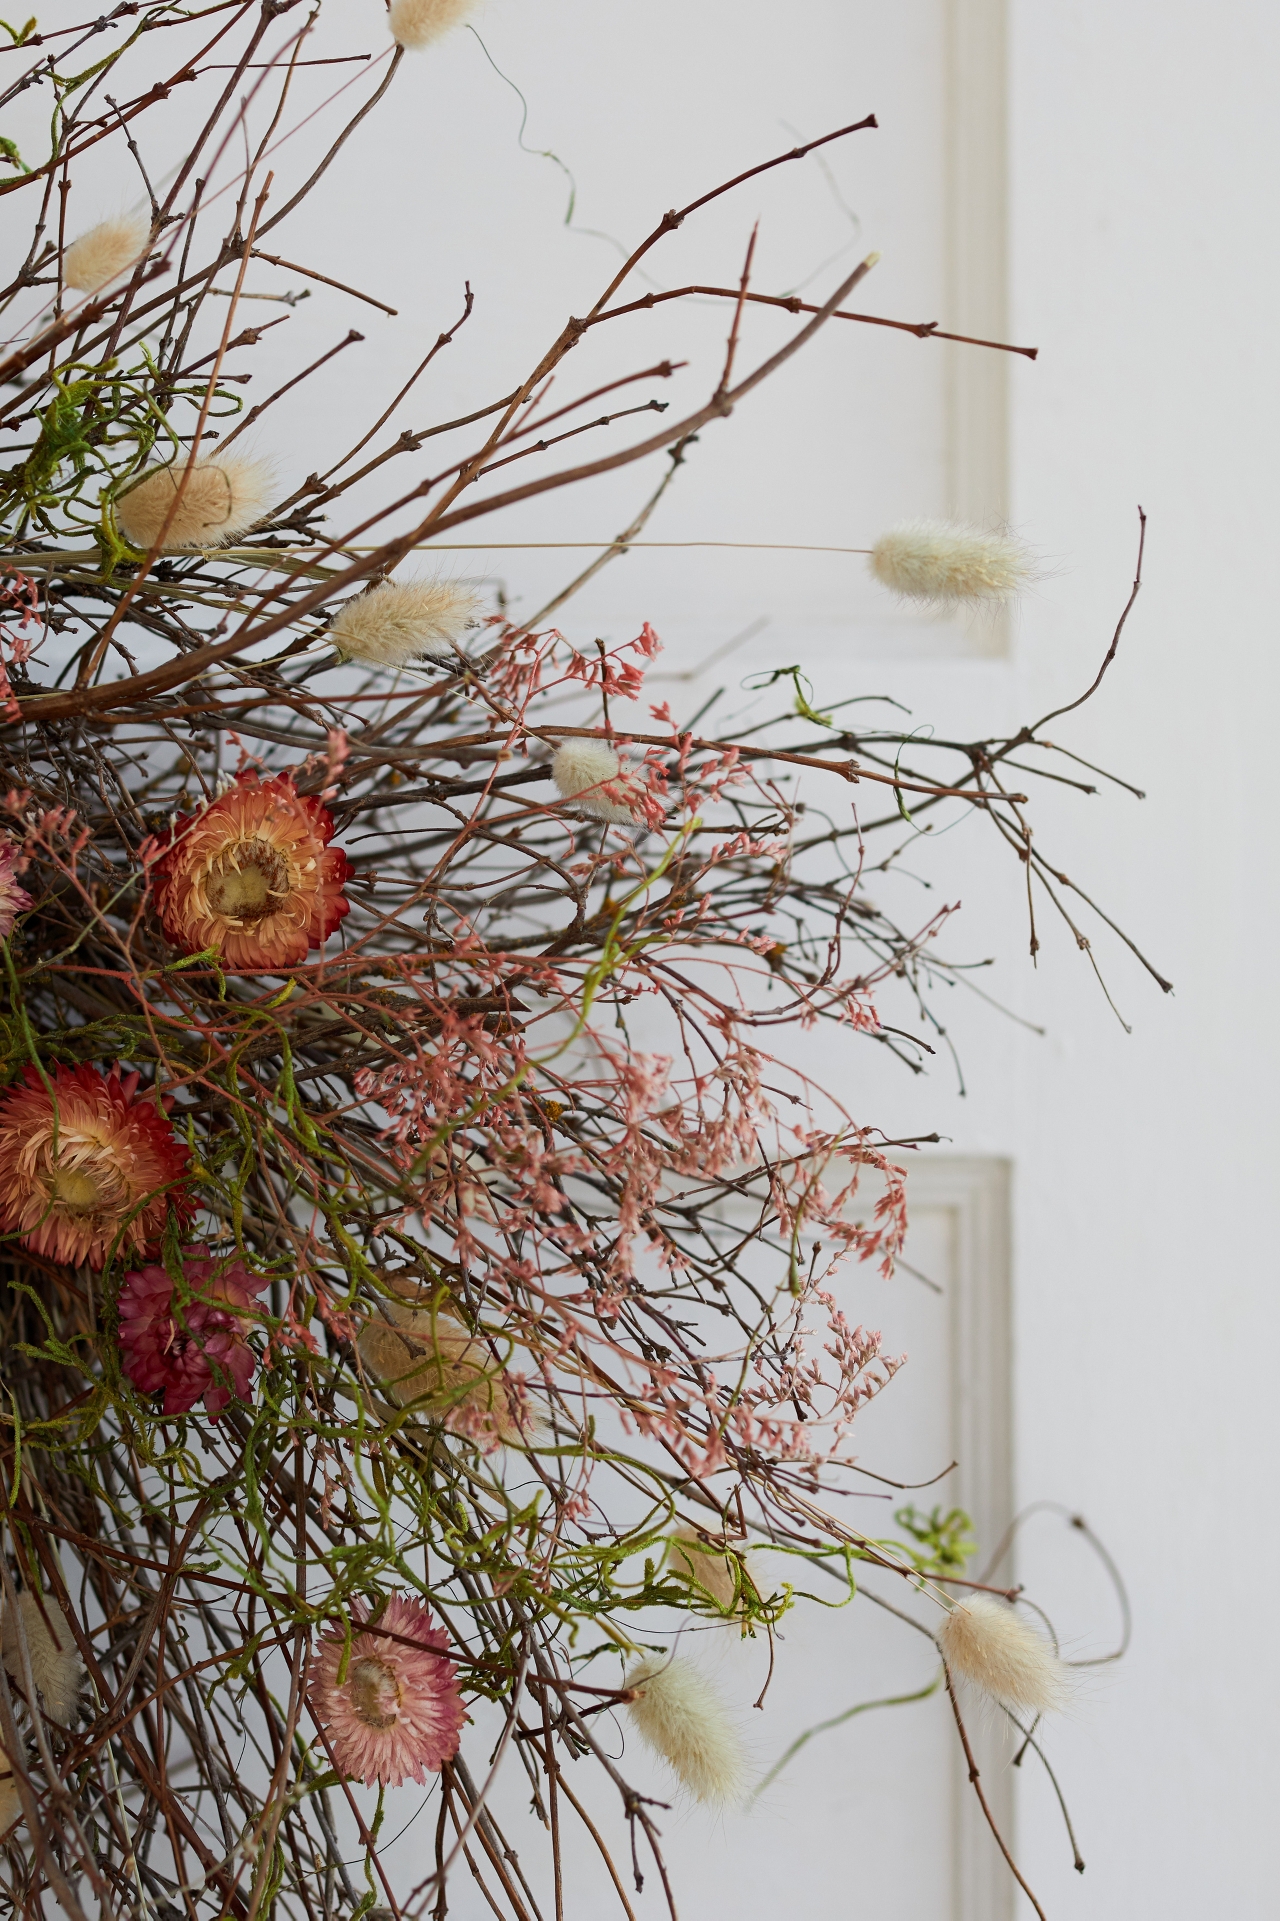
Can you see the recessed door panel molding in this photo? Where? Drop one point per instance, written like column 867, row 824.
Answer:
column 972, row 1194
column 977, row 273
column 864, row 428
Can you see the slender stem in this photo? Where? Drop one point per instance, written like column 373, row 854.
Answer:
column 984, row 1804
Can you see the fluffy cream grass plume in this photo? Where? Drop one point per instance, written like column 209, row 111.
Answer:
column 398, row 623
column 941, row 562
column 427, row 1361
column 680, row 1715
column 221, row 500
column 104, row 253
column 580, row 769
column 56, row 1667
column 416, row 23
column 989, row 1643
column 707, row 1567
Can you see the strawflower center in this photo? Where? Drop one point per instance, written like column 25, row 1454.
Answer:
column 75, row 1191
column 375, row 1693
column 248, row 882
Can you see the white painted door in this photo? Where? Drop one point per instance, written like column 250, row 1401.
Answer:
column 875, row 1815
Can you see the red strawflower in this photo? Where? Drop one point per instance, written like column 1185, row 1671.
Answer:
column 85, row 1163
column 253, row 875
column 194, row 1349
column 397, row 1713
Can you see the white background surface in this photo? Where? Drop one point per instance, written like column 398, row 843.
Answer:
column 1146, row 1196
column 1143, row 161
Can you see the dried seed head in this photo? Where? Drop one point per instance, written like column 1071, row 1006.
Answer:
column 104, row 253
column 397, row 623
column 56, row 1667
column 429, row 1363
column 989, row 1643
column 583, row 770
column 706, row 1567
column 681, row 1716
column 221, row 500
column 937, row 561
column 416, row 23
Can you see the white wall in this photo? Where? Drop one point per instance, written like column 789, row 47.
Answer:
column 648, row 111
column 1144, row 161
column 1143, row 165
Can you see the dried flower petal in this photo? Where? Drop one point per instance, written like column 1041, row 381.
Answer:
column 396, row 1713
column 706, row 1567
column 253, row 875
column 86, row 1162
column 14, row 900
column 10, row 1803
column 56, row 1667
column 195, row 1349
column 428, row 1362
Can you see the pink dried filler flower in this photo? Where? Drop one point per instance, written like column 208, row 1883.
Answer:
column 193, row 1349
column 396, row 1713
column 14, row 900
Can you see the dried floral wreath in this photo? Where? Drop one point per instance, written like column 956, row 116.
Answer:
column 423, row 1268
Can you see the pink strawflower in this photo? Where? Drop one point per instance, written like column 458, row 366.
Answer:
column 14, row 900
column 195, row 1349
column 396, row 1715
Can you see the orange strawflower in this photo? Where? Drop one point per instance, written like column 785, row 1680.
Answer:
column 253, row 875
column 85, row 1163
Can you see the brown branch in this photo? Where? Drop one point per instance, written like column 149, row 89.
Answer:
column 742, row 296
column 976, row 1781
column 923, row 329
column 670, row 221
column 249, row 338
column 850, row 770
column 620, row 545
column 663, row 371
column 309, row 273
column 339, row 143
column 188, row 666
column 36, row 348
column 1071, row 705
column 160, row 91
column 571, row 433
column 94, row 657
column 443, row 340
